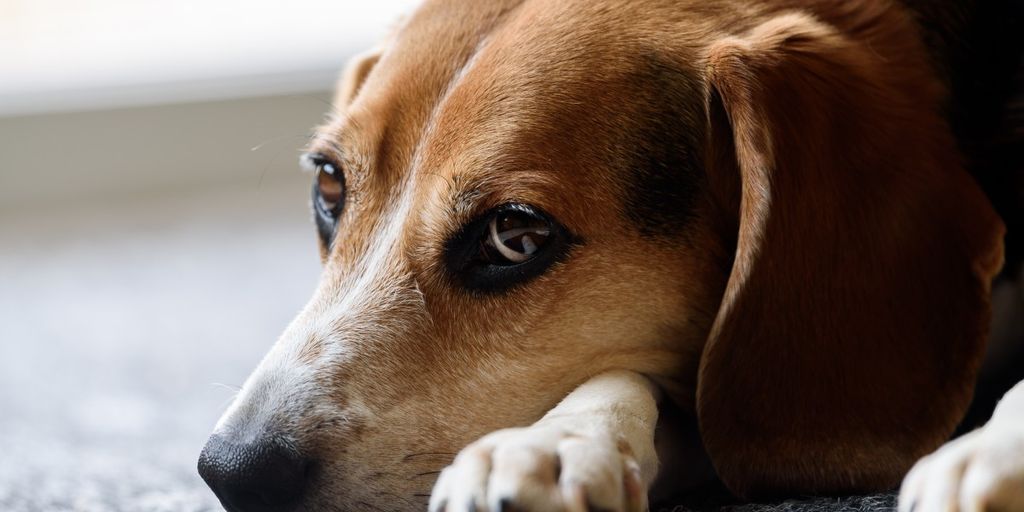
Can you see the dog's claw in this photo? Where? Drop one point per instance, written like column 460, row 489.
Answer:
column 505, row 505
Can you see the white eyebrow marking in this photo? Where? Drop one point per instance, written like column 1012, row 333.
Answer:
column 368, row 292
column 361, row 310
column 382, row 251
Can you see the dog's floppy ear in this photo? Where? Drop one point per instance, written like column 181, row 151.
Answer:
column 354, row 75
column 358, row 68
column 851, row 327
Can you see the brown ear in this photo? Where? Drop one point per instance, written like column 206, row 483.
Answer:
column 354, row 75
column 358, row 68
column 850, row 330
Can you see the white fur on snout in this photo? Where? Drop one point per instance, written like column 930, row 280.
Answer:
column 374, row 302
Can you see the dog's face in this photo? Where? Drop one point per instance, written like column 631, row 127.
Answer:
column 513, row 197
column 493, row 233
column 496, row 226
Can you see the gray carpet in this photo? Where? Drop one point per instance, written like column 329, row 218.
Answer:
column 123, row 331
column 882, row 502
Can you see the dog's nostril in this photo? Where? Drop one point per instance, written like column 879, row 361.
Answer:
column 261, row 476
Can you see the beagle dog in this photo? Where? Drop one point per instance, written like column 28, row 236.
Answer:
column 576, row 250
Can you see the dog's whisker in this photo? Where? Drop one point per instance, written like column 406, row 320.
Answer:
column 413, row 456
column 380, row 474
column 234, row 391
column 260, row 146
column 263, row 174
column 229, row 387
column 422, row 497
column 426, row 473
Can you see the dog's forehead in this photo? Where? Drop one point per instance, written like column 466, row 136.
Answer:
column 399, row 98
column 541, row 75
column 511, row 64
column 568, row 94
column 518, row 94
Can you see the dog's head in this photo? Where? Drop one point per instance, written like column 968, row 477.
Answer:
column 514, row 196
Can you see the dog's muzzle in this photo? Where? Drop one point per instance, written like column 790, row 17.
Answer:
column 260, row 475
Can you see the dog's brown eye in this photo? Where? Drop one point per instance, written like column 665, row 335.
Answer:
column 515, row 237
column 328, row 193
column 506, row 247
column 329, row 187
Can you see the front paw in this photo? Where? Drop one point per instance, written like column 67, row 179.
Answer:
column 980, row 472
column 541, row 469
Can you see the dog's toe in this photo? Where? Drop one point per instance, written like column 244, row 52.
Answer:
column 980, row 472
column 994, row 480
column 462, row 486
column 541, row 469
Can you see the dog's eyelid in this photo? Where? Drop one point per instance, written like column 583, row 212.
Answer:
column 306, row 162
column 312, row 161
column 507, row 246
column 329, row 151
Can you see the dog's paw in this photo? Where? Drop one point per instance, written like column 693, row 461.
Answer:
column 541, row 469
column 980, row 472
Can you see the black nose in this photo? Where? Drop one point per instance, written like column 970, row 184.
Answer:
column 263, row 475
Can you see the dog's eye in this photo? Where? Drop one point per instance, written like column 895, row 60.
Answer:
column 328, row 193
column 330, row 190
column 505, row 247
column 514, row 237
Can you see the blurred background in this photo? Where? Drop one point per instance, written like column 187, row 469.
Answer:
column 154, row 228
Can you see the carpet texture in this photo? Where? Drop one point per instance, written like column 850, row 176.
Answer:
column 881, row 502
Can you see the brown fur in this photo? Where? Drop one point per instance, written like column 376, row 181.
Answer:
column 863, row 263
